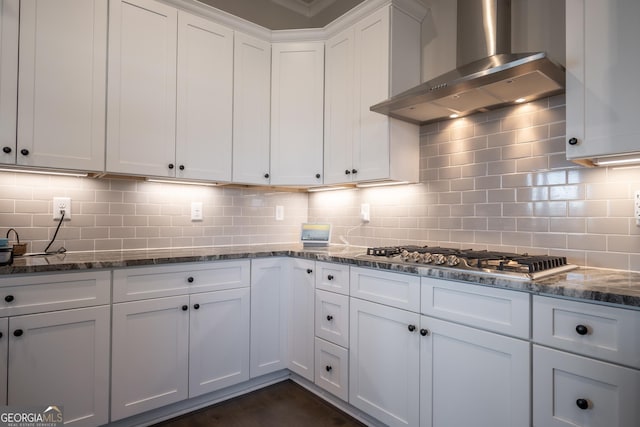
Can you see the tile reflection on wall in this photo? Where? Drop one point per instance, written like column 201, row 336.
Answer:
column 127, row 214
column 499, row 180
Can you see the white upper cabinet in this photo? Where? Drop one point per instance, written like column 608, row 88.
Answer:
column 297, row 93
column 603, row 62
column 205, row 99
column 377, row 58
column 141, row 113
column 251, row 109
column 9, row 18
column 62, row 84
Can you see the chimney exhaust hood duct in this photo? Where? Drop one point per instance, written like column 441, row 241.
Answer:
column 488, row 75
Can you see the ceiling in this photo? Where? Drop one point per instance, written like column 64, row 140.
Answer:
column 286, row 14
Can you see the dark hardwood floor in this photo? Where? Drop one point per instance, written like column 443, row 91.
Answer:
column 285, row 404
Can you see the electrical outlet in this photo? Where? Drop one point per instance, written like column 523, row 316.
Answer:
column 279, row 213
column 62, row 204
column 365, row 212
column 636, row 205
column 196, row 211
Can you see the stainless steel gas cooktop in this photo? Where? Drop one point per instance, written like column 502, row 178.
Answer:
column 520, row 266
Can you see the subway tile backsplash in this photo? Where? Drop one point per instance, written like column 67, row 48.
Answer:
column 499, row 180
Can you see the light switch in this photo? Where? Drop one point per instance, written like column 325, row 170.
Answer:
column 279, row 213
column 196, row 211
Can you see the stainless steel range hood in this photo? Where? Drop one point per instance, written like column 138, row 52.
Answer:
column 488, row 76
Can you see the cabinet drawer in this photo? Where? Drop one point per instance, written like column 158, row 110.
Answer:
column 498, row 310
column 131, row 284
column 332, row 317
column 599, row 331
column 35, row 294
column 394, row 289
column 332, row 277
column 332, row 364
column 564, row 383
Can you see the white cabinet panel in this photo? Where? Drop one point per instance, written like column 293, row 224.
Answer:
column 500, row 310
column 471, row 377
column 603, row 60
column 205, row 99
column 62, row 84
column 332, row 368
column 607, row 333
column 9, row 33
column 251, row 110
column 141, row 112
column 297, row 94
column 63, row 358
column 332, row 277
column 269, row 316
column 150, row 358
column 4, row 359
column 301, row 278
column 571, row 390
column 218, row 340
column 332, row 317
column 384, row 364
column 394, row 289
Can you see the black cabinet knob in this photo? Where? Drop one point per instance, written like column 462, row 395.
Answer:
column 318, row 175
column 24, row 152
column 329, row 318
column 411, row 328
column 9, row 298
column 266, row 175
column 347, row 172
column 424, row 332
column 582, row 404
column 573, row 141
column 354, row 170
column 328, row 368
column 196, row 306
column 18, row 333
column 190, row 279
column 171, row 166
column 181, row 167
column 330, row 277
column 309, row 271
column 582, row 330
column 185, row 307
column 1, row 335
column 7, row 150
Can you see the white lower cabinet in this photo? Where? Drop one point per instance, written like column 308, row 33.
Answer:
column 470, row 377
column 301, row 278
column 268, row 316
column 384, row 365
column 332, row 368
column 150, row 359
column 571, row 390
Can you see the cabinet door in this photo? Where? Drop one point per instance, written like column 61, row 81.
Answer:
column 570, row 390
column 4, row 359
column 149, row 367
column 62, row 358
column 371, row 144
column 205, row 96
column 603, row 61
column 218, row 340
column 251, row 110
column 9, row 18
column 62, row 84
column 141, row 106
column 297, row 99
column 384, row 365
column 268, row 316
column 301, row 317
column 457, row 365
column 339, row 110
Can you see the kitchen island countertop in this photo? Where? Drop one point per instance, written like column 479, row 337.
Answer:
column 589, row 284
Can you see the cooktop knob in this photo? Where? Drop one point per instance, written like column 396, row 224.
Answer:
column 404, row 255
column 439, row 259
column 427, row 258
column 414, row 256
column 453, row 260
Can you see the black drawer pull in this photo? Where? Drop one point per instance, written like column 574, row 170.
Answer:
column 18, row 333
column 185, row 307
column 9, row 298
column 424, row 332
column 582, row 404
column 190, row 279
column 573, row 141
column 330, row 277
column 411, row 328
column 328, row 368
column 196, row 306
column 6, row 150
column 309, row 271
column 582, row 330
column 329, row 318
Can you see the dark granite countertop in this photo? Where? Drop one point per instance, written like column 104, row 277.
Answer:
column 589, row 284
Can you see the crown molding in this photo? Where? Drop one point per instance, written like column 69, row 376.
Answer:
column 303, row 8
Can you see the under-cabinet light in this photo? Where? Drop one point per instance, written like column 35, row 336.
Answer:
column 617, row 161
column 520, row 100
column 454, row 116
column 317, row 189
column 46, row 172
column 169, row 181
column 380, row 184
